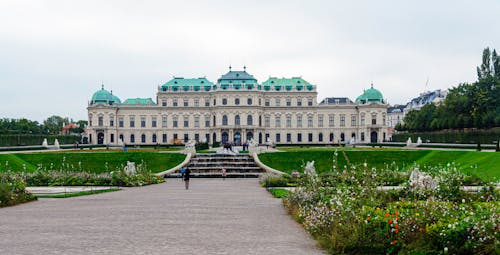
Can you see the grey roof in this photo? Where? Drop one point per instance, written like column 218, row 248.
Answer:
column 396, row 108
column 236, row 75
column 336, row 100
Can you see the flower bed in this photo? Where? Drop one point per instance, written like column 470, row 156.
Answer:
column 12, row 191
column 346, row 213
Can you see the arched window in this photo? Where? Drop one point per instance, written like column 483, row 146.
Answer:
column 143, row 138
column 331, row 137
column 224, row 101
column 249, row 120
column 224, row 120
column 237, row 120
column 132, row 138
column 154, row 138
column 121, row 138
column 320, row 137
column 237, row 101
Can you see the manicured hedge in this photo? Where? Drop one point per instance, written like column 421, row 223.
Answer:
column 27, row 139
column 466, row 137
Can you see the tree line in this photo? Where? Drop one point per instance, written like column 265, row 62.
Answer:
column 475, row 105
column 51, row 125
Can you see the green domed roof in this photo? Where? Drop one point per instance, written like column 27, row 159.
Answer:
column 103, row 96
column 370, row 95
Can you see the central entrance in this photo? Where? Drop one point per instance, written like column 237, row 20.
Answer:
column 225, row 137
column 249, row 136
column 237, row 138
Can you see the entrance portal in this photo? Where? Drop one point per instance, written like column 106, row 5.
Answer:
column 237, row 138
column 249, row 136
column 225, row 137
column 100, row 138
column 373, row 137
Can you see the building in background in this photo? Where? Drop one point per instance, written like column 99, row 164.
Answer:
column 236, row 109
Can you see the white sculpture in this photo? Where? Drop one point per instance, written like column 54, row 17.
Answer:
column 419, row 141
column 56, row 144
column 421, row 180
column 130, row 168
column 408, row 143
column 189, row 147
column 253, row 146
column 309, row 169
column 44, row 143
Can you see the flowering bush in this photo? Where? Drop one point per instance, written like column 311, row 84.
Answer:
column 346, row 212
column 12, row 191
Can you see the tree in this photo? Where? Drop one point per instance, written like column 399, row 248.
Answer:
column 54, row 124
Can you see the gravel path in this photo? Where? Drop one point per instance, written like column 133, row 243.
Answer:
column 234, row 216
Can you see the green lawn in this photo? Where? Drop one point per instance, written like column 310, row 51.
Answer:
column 487, row 163
column 90, row 161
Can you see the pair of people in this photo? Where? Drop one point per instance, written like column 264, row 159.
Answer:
column 186, row 174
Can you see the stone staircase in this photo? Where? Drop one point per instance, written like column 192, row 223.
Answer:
column 210, row 166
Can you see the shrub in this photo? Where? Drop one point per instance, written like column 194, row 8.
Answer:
column 12, row 190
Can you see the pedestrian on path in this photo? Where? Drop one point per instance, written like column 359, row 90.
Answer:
column 223, row 174
column 183, row 171
column 187, row 175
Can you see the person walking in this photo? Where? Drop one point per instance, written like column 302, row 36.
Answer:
column 223, row 174
column 187, row 175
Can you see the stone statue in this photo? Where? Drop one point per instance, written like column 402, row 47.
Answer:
column 44, row 143
column 408, row 142
column 421, row 180
column 309, row 169
column 56, row 144
column 189, row 147
column 419, row 141
column 253, row 146
column 130, row 168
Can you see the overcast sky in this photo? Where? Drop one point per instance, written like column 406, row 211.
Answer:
column 55, row 54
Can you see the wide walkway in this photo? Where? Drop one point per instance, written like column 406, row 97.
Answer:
column 234, row 216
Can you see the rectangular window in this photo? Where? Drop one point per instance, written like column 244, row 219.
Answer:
column 299, row 137
column 277, row 101
column 288, row 137
column 310, row 137
column 174, row 103
column 153, row 121
column 374, row 120
column 100, row 121
column 353, row 120
column 120, row 121
column 266, row 102
column 299, row 101
column 288, row 102
column 310, row 102
column 143, row 121
column 176, row 136
column 310, row 121
column 186, row 103
column 196, row 121
column 164, row 121
column 112, row 122
column 186, row 122
column 153, row 139
column 299, row 120
column 267, row 121
column 288, row 121
column 342, row 120
column 362, row 120
column 278, row 138
column 132, row 121
column 164, row 138
column 207, row 103
column 197, row 137
column 186, row 137
column 277, row 120
column 207, row 121
column 112, row 138
column 196, row 103
column 331, row 120
column 175, row 122
column 164, row 103
column 320, row 120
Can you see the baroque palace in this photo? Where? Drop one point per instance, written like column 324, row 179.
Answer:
column 234, row 110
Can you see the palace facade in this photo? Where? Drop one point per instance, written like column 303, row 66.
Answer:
column 236, row 109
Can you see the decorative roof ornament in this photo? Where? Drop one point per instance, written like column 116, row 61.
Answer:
column 229, row 68
column 245, row 68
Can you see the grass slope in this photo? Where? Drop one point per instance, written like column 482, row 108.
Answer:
column 487, row 163
column 90, row 161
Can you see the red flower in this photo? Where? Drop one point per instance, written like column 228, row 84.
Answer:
column 396, row 226
column 396, row 231
column 390, row 221
column 387, row 215
column 394, row 242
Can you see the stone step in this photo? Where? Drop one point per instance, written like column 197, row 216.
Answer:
column 217, row 175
